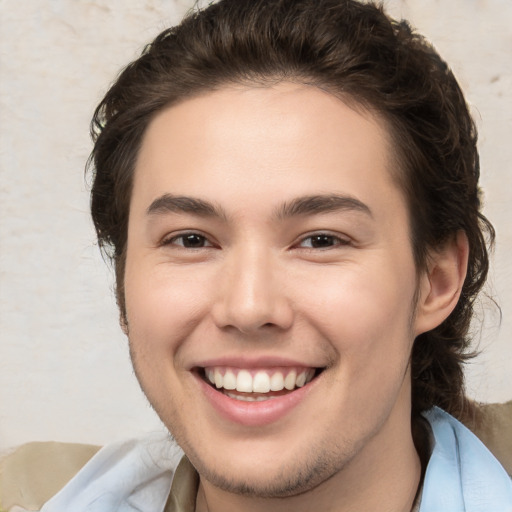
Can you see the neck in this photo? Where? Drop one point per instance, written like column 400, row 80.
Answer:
column 383, row 477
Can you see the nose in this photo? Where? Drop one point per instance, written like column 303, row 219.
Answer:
column 252, row 296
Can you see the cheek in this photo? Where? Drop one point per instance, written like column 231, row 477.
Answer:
column 162, row 312
column 163, row 307
column 364, row 311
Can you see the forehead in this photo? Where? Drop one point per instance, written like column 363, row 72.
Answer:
column 264, row 144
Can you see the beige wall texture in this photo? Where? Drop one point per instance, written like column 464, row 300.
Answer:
column 64, row 367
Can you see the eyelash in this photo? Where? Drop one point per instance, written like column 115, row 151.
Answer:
column 336, row 241
column 182, row 236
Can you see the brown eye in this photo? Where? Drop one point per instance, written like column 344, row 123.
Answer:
column 189, row 241
column 319, row 241
column 322, row 241
column 194, row 241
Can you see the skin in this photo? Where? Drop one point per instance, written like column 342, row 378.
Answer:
column 257, row 287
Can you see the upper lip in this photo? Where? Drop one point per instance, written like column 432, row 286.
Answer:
column 260, row 362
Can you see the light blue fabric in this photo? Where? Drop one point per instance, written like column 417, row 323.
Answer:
column 131, row 476
column 135, row 476
column 462, row 474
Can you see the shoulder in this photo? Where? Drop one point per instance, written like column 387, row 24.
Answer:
column 462, row 471
column 34, row 472
column 82, row 473
column 492, row 424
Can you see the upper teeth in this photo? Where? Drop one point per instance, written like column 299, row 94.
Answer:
column 259, row 381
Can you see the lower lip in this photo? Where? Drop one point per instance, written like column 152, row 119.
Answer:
column 254, row 414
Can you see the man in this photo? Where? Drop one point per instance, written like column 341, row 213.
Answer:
column 289, row 193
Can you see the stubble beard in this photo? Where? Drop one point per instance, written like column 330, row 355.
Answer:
column 295, row 477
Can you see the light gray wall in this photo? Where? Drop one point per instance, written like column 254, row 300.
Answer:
column 64, row 369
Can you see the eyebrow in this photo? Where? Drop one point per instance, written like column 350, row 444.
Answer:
column 317, row 204
column 169, row 203
column 304, row 205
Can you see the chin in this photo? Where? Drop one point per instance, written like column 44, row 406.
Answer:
column 281, row 485
column 273, row 478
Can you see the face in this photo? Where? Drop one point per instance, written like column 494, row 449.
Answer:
column 270, row 286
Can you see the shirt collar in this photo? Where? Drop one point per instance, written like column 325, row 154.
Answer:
column 182, row 496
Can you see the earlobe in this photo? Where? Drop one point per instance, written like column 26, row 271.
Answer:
column 441, row 284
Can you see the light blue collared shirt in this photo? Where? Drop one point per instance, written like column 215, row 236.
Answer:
column 462, row 474
column 136, row 476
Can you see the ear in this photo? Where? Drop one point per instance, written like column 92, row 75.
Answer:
column 441, row 284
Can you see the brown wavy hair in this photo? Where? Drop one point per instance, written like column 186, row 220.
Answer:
column 355, row 51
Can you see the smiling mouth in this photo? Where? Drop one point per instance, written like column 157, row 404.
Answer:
column 256, row 385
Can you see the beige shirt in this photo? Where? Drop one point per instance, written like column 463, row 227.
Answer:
column 182, row 497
